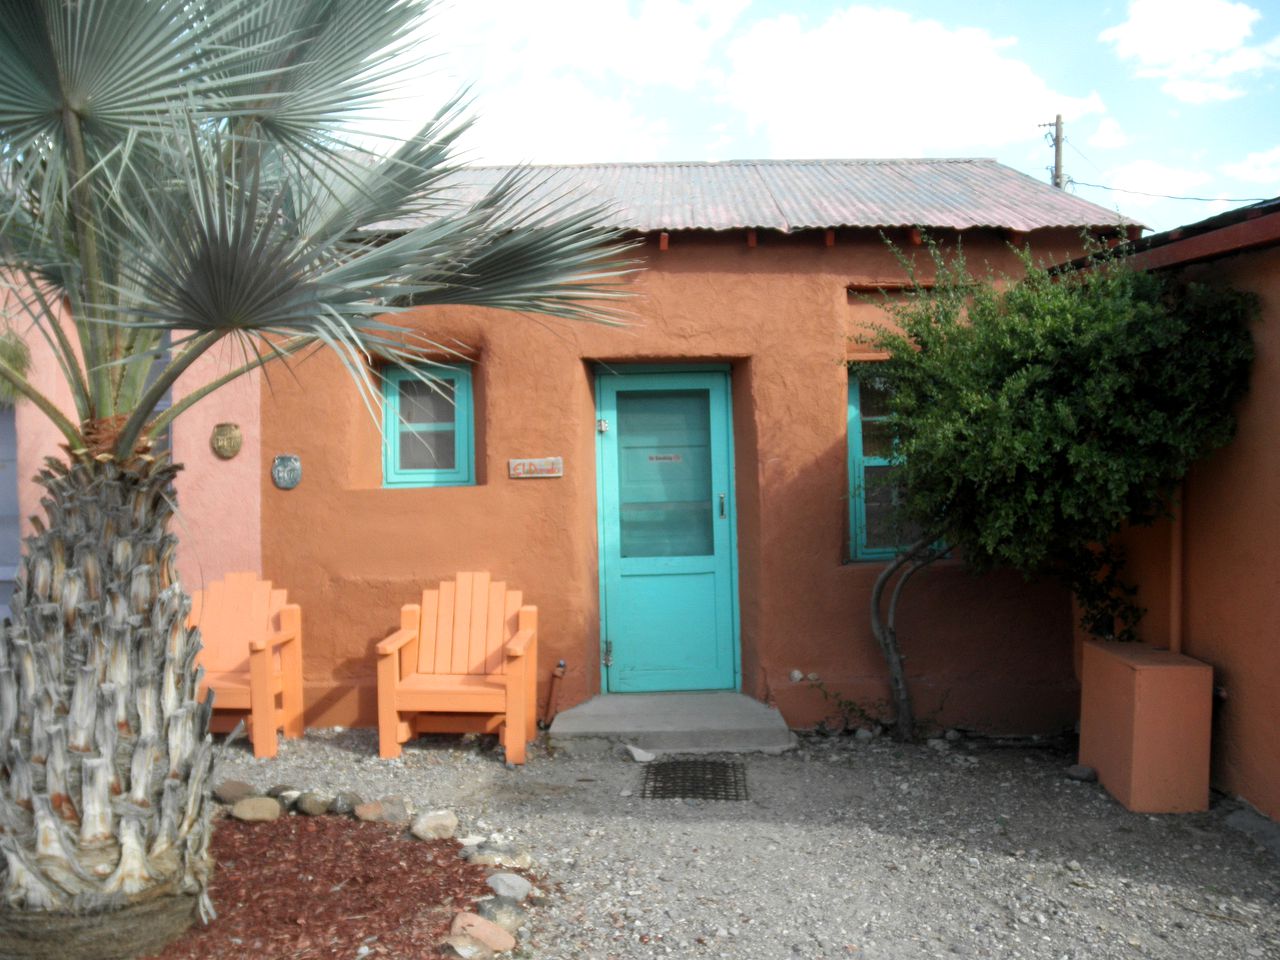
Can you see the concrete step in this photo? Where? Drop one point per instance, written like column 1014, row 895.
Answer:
column 709, row 722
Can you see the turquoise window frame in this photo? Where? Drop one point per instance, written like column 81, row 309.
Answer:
column 463, row 473
column 858, row 549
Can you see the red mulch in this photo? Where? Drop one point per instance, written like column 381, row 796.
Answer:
column 311, row 888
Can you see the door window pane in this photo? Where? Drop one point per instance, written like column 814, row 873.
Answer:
column 664, row 473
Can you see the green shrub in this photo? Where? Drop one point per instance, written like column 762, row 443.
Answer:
column 1037, row 416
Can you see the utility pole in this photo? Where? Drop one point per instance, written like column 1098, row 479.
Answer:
column 1059, row 175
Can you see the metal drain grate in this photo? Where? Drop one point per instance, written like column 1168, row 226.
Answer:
column 694, row 780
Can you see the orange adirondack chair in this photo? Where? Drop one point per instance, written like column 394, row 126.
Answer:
column 252, row 657
column 465, row 660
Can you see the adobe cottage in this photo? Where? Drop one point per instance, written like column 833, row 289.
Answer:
column 689, row 500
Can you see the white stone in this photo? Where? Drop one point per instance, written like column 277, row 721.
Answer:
column 510, row 885
column 639, row 755
column 796, row 676
column 435, row 825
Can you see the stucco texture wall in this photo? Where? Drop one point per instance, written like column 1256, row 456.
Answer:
column 989, row 653
column 1230, row 570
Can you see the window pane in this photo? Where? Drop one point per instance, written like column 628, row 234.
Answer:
column 428, row 450
column 877, row 439
column 873, row 397
column 427, row 402
column 884, row 529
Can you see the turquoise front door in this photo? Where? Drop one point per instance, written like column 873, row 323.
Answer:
column 667, row 557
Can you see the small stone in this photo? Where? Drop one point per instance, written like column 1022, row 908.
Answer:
column 386, row 810
column 796, row 676
column 625, row 793
column 483, row 931
column 512, row 886
column 288, row 798
column 814, row 678
column 345, row 803
column 463, row 946
column 952, row 735
column 256, row 809
column 504, row 911
column 639, row 755
column 937, row 743
column 1082, row 773
column 1073, row 866
column 313, row 804
column 864, row 733
column 280, row 788
column 435, row 825
column 228, row 792
column 490, row 854
column 471, row 840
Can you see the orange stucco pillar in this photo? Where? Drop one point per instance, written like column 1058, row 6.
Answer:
column 1145, row 725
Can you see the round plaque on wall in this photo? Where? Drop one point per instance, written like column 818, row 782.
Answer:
column 286, row 471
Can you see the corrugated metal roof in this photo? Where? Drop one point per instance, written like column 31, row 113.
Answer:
column 801, row 194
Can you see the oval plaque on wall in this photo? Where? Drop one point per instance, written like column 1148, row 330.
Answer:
column 226, row 440
column 286, row 471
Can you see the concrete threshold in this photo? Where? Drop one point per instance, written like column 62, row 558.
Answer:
column 706, row 722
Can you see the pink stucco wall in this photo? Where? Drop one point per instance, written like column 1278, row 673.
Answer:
column 219, row 520
column 219, row 501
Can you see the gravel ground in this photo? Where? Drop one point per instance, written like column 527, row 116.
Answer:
column 846, row 848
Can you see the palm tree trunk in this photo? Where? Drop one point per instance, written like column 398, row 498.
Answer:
column 105, row 755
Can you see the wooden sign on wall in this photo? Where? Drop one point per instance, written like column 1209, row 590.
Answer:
column 530, row 468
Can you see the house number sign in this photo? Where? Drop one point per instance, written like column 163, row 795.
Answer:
column 286, row 471
column 532, row 467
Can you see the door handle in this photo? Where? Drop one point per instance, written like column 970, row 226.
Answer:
column 722, row 514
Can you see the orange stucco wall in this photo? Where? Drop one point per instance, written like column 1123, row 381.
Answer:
column 992, row 653
column 1231, row 567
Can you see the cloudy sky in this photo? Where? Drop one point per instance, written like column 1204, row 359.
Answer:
column 1171, row 97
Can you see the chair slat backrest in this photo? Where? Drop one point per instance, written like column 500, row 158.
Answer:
column 231, row 613
column 427, row 627
column 495, row 632
column 465, row 624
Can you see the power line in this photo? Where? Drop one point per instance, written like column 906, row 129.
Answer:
column 1083, row 157
column 1167, row 196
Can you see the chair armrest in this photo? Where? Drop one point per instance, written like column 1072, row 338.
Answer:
column 291, row 617
column 518, row 644
column 394, row 642
column 276, row 639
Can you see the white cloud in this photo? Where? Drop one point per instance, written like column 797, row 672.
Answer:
column 564, row 82
column 1197, row 47
column 1262, row 167
column 878, row 82
column 1109, row 135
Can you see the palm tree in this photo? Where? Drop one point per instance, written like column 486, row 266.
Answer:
column 176, row 173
